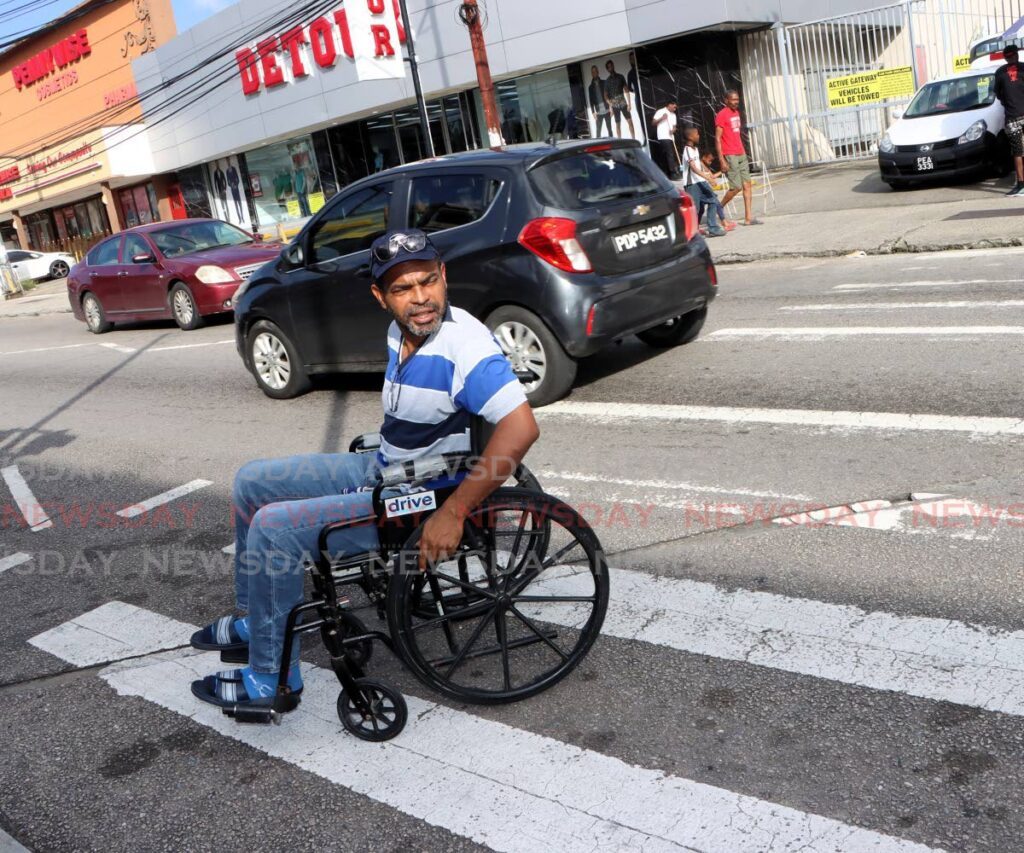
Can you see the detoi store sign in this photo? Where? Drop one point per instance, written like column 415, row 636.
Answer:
column 366, row 32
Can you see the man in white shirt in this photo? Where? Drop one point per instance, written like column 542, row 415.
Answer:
column 665, row 123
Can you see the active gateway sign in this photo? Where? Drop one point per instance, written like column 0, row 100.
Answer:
column 870, row 87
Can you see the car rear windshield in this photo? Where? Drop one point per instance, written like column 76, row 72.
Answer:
column 953, row 96
column 597, row 175
column 192, row 237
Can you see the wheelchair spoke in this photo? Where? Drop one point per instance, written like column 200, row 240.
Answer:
column 435, row 589
column 554, row 558
column 466, row 613
column 461, row 656
column 529, row 623
column 501, row 631
column 556, row 599
column 467, row 586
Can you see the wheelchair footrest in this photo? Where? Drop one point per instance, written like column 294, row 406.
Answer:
column 263, row 716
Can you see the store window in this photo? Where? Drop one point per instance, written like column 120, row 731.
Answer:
column 535, row 107
column 196, row 192
column 42, row 230
column 138, row 204
column 284, row 181
column 447, row 201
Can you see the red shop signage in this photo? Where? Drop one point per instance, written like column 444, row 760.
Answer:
column 58, row 55
column 6, row 193
column 9, row 175
column 260, row 67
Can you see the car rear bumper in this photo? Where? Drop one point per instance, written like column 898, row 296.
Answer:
column 954, row 161
column 628, row 304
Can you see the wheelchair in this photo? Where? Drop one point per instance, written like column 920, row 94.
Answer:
column 510, row 614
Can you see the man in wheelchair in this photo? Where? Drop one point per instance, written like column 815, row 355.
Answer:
column 444, row 367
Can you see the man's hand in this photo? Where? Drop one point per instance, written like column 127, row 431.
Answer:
column 724, row 167
column 441, row 536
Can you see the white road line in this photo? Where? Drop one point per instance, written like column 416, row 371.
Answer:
column 666, row 484
column 948, row 282
column 163, row 498
column 509, row 789
column 112, row 632
column 30, row 508
column 190, row 346
column 46, row 349
column 13, row 560
column 904, row 306
column 862, row 331
column 10, row 845
column 119, row 347
column 229, row 549
column 937, row 659
column 633, row 412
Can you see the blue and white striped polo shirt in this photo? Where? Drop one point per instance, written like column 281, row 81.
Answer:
column 428, row 399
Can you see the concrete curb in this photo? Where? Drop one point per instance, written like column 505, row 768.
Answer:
column 893, row 247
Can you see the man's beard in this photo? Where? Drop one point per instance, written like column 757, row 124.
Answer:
column 420, row 331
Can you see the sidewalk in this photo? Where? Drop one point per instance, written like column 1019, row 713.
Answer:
column 838, row 209
column 50, row 297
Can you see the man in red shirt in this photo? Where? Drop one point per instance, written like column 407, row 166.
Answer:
column 732, row 156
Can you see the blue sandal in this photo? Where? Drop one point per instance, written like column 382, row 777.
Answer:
column 226, row 689
column 222, row 636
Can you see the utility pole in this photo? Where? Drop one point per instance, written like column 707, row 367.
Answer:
column 469, row 14
column 414, row 71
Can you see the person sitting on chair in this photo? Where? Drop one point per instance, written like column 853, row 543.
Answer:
column 444, row 366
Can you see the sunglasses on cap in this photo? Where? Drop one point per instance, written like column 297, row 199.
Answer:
column 396, row 243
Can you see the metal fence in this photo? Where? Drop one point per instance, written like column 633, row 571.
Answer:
column 826, row 90
column 77, row 246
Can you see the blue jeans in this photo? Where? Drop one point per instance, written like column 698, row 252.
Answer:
column 280, row 505
column 704, row 197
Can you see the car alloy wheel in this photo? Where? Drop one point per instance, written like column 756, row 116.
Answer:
column 184, row 310
column 60, row 269
column 93, row 315
column 271, row 361
column 524, row 349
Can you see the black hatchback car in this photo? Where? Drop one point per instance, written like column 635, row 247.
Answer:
column 559, row 248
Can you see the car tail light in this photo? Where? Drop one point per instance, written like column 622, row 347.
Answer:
column 554, row 240
column 590, row 320
column 713, row 275
column 689, row 211
column 604, row 146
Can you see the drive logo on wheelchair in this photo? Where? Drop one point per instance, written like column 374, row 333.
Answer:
column 410, row 504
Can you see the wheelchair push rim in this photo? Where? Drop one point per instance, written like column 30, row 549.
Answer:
column 513, row 612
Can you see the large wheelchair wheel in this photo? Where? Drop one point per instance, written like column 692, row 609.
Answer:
column 512, row 612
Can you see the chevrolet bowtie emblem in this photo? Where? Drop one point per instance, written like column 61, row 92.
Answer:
column 641, row 210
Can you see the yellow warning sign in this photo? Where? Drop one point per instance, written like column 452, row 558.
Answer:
column 961, row 63
column 870, row 87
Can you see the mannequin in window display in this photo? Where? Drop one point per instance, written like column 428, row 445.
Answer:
column 234, row 181
column 378, row 159
column 556, row 121
column 220, row 185
column 300, row 181
column 619, row 96
column 282, row 189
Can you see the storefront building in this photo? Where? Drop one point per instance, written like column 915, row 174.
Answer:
column 76, row 164
column 295, row 124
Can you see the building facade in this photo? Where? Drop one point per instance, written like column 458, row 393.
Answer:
column 293, row 122
column 75, row 162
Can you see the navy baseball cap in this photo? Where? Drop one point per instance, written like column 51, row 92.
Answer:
column 397, row 247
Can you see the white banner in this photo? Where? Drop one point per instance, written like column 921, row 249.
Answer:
column 374, row 32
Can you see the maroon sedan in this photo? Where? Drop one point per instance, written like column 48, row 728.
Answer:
column 183, row 270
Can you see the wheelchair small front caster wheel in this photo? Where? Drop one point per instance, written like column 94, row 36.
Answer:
column 384, row 714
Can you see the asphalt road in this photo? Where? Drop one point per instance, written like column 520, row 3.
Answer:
column 766, row 679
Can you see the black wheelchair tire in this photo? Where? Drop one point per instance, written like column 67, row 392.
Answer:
column 400, row 610
column 381, row 692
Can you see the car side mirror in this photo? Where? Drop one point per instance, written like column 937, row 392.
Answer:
column 293, row 255
column 897, row 112
column 143, row 258
column 258, row 237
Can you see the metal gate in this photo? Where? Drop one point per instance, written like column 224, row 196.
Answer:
column 826, row 90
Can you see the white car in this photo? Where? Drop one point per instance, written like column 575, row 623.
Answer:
column 38, row 265
column 953, row 127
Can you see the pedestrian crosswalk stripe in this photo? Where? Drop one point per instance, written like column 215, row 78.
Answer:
column 163, row 498
column 945, row 282
column 32, row 511
column 13, row 560
column 510, row 789
column 812, row 332
column 905, row 306
column 635, row 412
column 939, row 659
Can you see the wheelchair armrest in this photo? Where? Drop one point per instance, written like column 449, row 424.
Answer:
column 365, row 443
column 427, row 468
